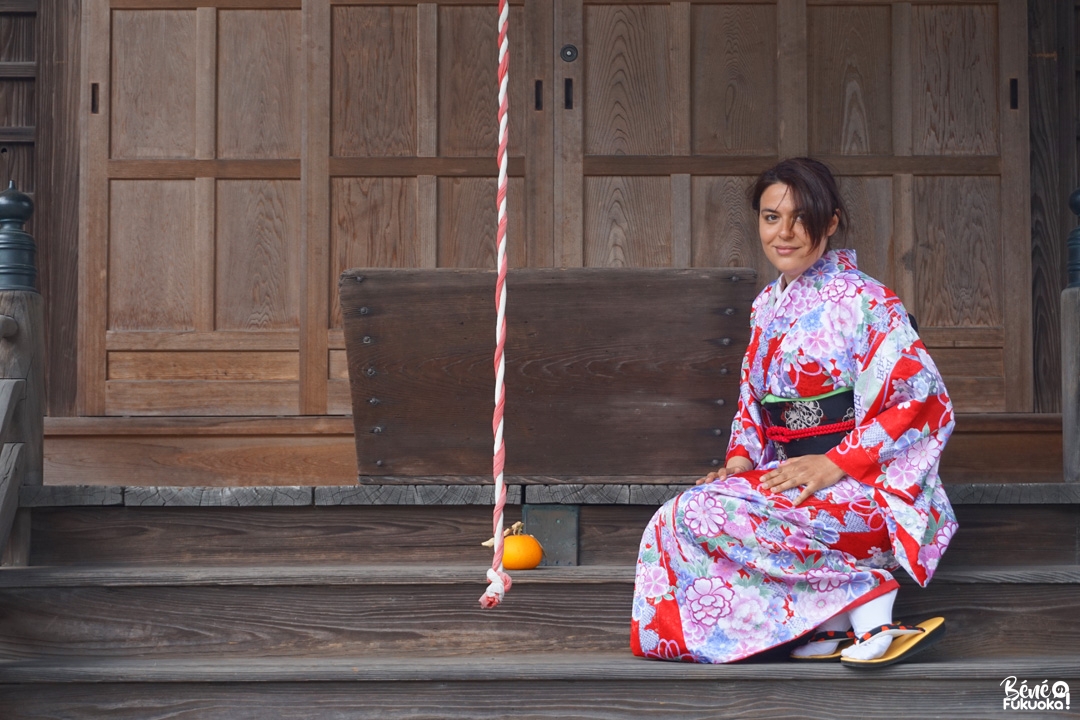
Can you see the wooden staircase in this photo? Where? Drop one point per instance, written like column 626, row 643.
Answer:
column 287, row 609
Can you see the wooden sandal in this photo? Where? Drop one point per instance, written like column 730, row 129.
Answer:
column 908, row 640
column 846, row 638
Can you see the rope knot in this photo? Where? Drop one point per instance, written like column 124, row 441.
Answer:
column 500, row 583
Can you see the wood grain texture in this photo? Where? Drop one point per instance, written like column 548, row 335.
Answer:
column 959, row 249
column 374, row 225
column 204, row 366
column 955, row 80
column 93, row 218
column 850, row 94
column 11, row 478
column 414, row 495
column 606, row 374
column 901, row 78
column 598, row 697
column 197, row 397
column 18, row 38
column 725, row 232
column 258, row 255
column 260, row 536
column 187, row 169
column 467, row 217
column 734, row 100
column 792, row 121
column 628, row 222
column 20, row 163
column 569, row 142
column 23, row 359
column 902, row 256
column 627, row 84
column 159, row 496
column 1052, row 125
column 259, row 90
column 18, row 103
column 206, row 81
column 537, row 62
column 152, row 262
column 17, row 550
column 680, row 78
column 153, row 93
column 468, row 83
column 204, row 251
column 374, row 100
column 221, row 340
column 1070, row 382
column 181, row 458
column 869, row 228
column 70, row 495
column 427, row 79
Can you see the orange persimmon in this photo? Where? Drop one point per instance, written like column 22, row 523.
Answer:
column 520, row 551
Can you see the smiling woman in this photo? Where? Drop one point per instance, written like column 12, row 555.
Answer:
column 831, row 474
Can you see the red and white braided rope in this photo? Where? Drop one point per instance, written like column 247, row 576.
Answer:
column 499, row 580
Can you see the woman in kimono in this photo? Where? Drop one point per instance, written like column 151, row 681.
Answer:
column 831, row 478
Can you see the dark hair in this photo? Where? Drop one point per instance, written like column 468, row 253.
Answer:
column 814, row 190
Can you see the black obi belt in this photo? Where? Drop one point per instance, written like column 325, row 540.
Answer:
column 810, row 427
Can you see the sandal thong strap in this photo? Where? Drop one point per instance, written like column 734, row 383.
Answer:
column 893, row 629
column 827, row 635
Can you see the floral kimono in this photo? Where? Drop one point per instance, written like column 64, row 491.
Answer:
column 728, row 569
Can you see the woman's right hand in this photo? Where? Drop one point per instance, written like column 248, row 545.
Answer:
column 722, row 473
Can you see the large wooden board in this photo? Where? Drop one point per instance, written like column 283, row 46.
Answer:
column 609, row 372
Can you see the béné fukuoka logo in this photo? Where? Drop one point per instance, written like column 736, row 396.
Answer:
column 1040, row 696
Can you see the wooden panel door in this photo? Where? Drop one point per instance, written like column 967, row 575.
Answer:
column 233, row 169
column 921, row 110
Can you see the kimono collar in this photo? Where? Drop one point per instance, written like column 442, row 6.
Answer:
column 833, row 262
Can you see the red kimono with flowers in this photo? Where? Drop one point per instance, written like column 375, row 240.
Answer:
column 728, row 569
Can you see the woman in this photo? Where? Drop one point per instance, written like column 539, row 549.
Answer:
column 831, row 473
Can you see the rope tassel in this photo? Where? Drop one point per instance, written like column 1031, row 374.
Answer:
column 499, row 581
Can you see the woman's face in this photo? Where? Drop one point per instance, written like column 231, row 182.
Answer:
column 783, row 235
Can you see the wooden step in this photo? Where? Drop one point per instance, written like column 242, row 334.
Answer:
column 1019, row 524
column 599, row 686
column 429, row 611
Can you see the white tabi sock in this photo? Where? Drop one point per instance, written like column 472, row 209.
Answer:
column 865, row 618
column 839, row 623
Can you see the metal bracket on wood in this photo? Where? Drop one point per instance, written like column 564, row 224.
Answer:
column 556, row 529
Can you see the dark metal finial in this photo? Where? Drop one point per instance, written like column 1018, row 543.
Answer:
column 18, row 253
column 1072, row 244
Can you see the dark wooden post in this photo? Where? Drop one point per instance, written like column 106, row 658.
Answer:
column 22, row 358
column 1070, row 353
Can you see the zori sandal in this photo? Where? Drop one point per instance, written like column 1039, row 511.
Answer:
column 846, row 638
column 908, row 640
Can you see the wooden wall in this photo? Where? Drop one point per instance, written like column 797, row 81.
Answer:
column 231, row 172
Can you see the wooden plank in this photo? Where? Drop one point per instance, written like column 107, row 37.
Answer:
column 206, row 76
column 12, row 392
column 901, row 79
column 537, row 62
column 24, row 359
column 754, row 164
column 628, row 222
column 1070, row 383
column 159, row 496
column 725, row 226
column 411, row 167
column 975, row 337
column 17, row 551
column 197, row 397
column 850, row 74
column 681, row 218
column 104, row 428
column 977, row 362
column 1045, row 423
column 376, row 80
column 202, row 459
column 414, row 495
column 427, row 220
column 977, row 394
column 734, row 81
column 239, row 341
column 1016, row 207
column 195, row 4
column 467, row 217
column 194, row 365
column 154, row 84
column 427, row 74
column 1052, row 128
column 607, row 369
column 221, row 169
column 18, row 135
column 152, row 255
column 18, row 70
column 902, row 257
column 204, row 253
column 315, row 245
column 569, row 139
column 70, row 496
column 19, row 6
column 257, row 267
column 93, row 208
column 792, row 74
column 11, row 479
column 260, row 81
column 1015, row 494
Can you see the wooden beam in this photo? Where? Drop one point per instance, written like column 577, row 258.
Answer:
column 18, row 70
column 17, row 134
column 19, row 6
column 11, row 477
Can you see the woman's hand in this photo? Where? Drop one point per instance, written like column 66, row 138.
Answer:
column 815, row 472
column 732, row 469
